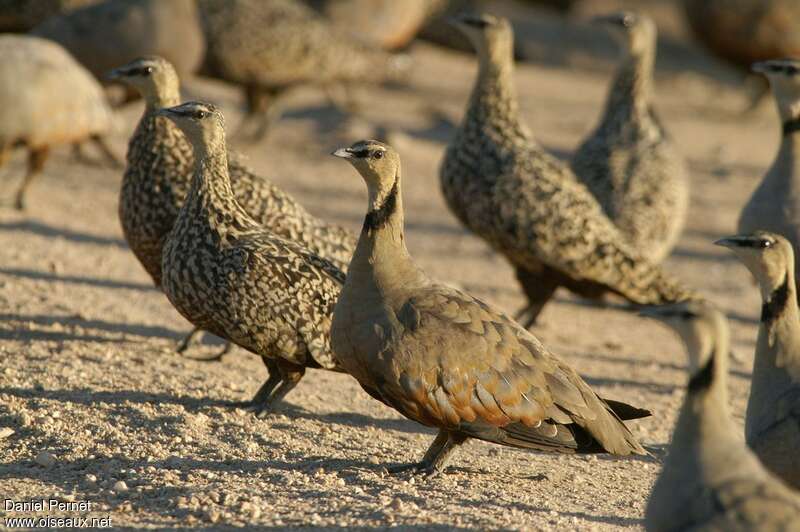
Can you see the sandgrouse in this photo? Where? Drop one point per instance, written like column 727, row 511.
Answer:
column 160, row 164
column 529, row 206
column 710, row 480
column 629, row 162
column 448, row 360
column 229, row 275
column 772, row 422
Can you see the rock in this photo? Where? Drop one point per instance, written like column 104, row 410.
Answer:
column 5, row 432
column 120, row 486
column 45, row 459
column 91, row 479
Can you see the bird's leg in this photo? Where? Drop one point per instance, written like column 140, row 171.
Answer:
column 273, row 380
column 288, row 376
column 538, row 289
column 36, row 160
column 436, row 457
column 263, row 110
column 188, row 340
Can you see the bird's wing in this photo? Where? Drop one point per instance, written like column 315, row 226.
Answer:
column 472, row 369
column 544, row 214
column 295, row 288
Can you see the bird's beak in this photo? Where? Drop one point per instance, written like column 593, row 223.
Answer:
column 733, row 242
column 167, row 111
column 344, row 153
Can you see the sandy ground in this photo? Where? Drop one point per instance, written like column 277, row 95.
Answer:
column 103, row 411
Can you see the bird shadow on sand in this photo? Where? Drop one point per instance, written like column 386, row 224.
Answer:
column 147, row 331
column 88, row 397
column 41, row 229
column 75, row 279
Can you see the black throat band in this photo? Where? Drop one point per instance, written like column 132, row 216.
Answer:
column 773, row 307
column 791, row 126
column 702, row 379
column 377, row 218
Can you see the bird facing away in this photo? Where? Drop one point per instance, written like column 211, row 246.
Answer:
column 46, row 99
column 529, row 206
column 270, row 46
column 227, row 274
column 710, row 479
column 160, row 164
column 772, row 422
column 113, row 32
column 629, row 163
column 775, row 203
column 448, row 360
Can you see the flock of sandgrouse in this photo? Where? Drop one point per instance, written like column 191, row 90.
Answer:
column 240, row 258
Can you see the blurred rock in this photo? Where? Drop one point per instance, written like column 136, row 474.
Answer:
column 22, row 15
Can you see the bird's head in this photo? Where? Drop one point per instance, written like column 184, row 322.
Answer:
column 378, row 163
column 698, row 323
column 202, row 123
column 768, row 256
column 153, row 76
column 489, row 35
column 636, row 31
column 784, row 79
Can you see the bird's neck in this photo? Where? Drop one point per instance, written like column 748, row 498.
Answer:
column 211, row 198
column 779, row 331
column 162, row 98
column 789, row 151
column 493, row 104
column 629, row 101
column 704, row 423
column 381, row 257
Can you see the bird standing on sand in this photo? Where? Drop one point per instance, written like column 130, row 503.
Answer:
column 710, row 479
column 529, row 206
column 772, row 422
column 629, row 162
column 270, row 46
column 227, row 274
column 160, row 164
column 448, row 360
column 775, row 203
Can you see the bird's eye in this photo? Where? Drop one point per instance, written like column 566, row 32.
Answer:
column 791, row 70
column 628, row 21
column 200, row 115
column 147, row 70
column 378, row 155
column 765, row 243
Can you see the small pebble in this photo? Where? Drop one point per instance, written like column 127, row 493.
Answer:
column 120, row 486
column 5, row 432
column 45, row 459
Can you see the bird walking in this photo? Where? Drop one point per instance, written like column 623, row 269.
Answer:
column 229, row 275
column 628, row 162
column 772, row 421
column 775, row 204
column 710, row 479
column 158, row 175
column 448, row 360
column 529, row 206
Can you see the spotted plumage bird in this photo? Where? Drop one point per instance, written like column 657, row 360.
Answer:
column 270, row 46
column 447, row 359
column 160, row 164
column 628, row 162
column 529, row 206
column 227, row 274
column 710, row 480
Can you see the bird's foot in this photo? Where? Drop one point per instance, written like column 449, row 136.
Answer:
column 416, row 468
column 261, row 409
